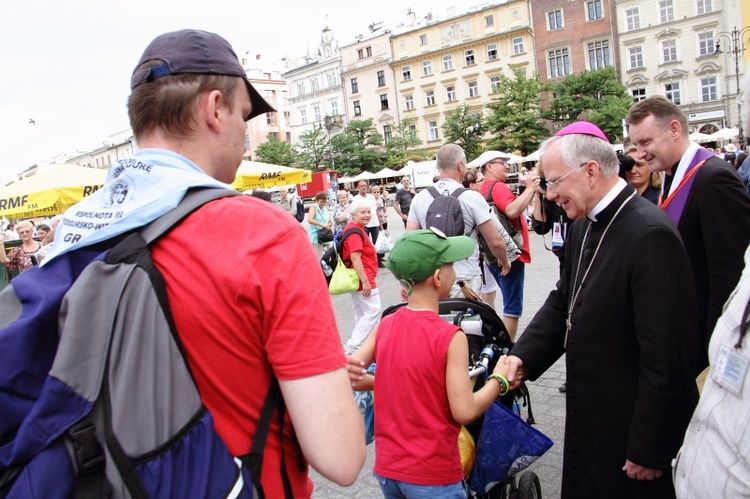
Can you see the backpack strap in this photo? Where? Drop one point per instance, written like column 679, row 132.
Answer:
column 344, row 235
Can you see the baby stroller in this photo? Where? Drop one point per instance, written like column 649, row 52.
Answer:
column 488, row 339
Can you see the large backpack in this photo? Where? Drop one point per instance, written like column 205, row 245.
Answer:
column 329, row 261
column 97, row 398
column 445, row 212
column 300, row 215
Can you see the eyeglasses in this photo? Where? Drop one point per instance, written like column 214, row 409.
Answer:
column 24, row 231
column 498, row 162
column 552, row 184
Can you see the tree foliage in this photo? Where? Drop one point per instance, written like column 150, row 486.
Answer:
column 312, row 149
column 358, row 148
column 275, row 152
column 398, row 150
column 517, row 117
column 595, row 96
column 464, row 128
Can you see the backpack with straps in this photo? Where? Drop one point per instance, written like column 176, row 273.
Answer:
column 512, row 238
column 330, row 256
column 97, row 397
column 445, row 212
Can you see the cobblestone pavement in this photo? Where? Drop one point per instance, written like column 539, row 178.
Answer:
column 547, row 402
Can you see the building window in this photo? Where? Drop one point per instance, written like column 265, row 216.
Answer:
column 638, row 94
column 287, row 117
column 433, row 130
column 494, row 82
column 705, row 6
column 492, row 52
column 423, row 39
column 412, row 131
column 303, row 116
column 450, row 93
column 316, row 111
column 666, row 11
column 275, row 135
column 331, row 76
column 357, row 109
column 636, row 57
column 633, row 18
column 405, row 73
column 368, row 51
column 473, row 89
column 289, row 137
column 669, row 50
column 709, row 89
column 559, row 63
column 381, row 78
column 383, row 102
column 706, row 43
column 409, row 102
column 469, row 57
column 599, row 54
column 426, row 68
column 489, row 20
column 314, row 84
column 430, row 97
column 518, row 45
column 365, row 52
column 594, row 10
column 355, row 86
column 387, row 134
column 447, row 62
column 555, row 19
column 672, row 92
column 271, row 119
column 334, row 108
column 300, row 88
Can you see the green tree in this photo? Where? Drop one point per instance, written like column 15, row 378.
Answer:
column 275, row 152
column 516, row 116
column 358, row 148
column 595, row 96
column 313, row 148
column 465, row 128
column 398, row 150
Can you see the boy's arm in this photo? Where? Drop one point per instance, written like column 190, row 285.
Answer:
column 360, row 360
column 466, row 405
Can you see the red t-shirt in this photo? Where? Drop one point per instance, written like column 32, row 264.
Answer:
column 369, row 255
column 502, row 196
column 248, row 297
column 416, row 435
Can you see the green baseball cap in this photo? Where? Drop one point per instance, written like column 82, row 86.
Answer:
column 419, row 253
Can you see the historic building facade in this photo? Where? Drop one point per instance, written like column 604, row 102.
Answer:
column 447, row 63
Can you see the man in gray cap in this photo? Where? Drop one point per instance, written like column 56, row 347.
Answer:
column 240, row 319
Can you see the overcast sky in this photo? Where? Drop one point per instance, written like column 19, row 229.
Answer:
column 66, row 64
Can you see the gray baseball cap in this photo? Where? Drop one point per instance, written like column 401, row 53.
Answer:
column 194, row 51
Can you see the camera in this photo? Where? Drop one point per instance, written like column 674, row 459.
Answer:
column 543, row 182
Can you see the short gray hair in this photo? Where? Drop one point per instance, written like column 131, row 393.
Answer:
column 449, row 156
column 578, row 148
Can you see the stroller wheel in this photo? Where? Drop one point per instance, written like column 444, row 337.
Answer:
column 529, row 487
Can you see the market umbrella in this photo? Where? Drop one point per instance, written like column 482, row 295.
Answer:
column 49, row 192
column 700, row 137
column 365, row 176
column 388, row 173
column 253, row 175
column 725, row 134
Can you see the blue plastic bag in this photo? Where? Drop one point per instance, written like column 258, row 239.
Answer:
column 367, row 409
column 506, row 446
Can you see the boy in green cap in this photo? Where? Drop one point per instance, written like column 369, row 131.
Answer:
column 422, row 386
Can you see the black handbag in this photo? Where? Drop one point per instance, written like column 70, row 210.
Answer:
column 324, row 235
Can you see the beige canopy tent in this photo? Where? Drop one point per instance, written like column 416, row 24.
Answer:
column 253, row 175
column 49, row 192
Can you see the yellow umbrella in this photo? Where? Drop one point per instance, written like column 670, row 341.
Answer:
column 252, row 174
column 50, row 191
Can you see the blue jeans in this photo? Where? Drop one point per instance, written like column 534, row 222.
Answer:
column 394, row 489
column 511, row 286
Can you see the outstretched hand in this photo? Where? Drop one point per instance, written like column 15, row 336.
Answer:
column 638, row 472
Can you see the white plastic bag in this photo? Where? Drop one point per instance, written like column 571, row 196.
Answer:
column 383, row 244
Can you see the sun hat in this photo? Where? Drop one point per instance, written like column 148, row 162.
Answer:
column 419, row 253
column 730, row 148
column 584, row 128
column 488, row 156
column 192, row 51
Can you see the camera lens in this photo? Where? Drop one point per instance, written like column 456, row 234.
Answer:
column 543, row 182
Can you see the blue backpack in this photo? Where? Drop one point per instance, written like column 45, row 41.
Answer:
column 97, row 398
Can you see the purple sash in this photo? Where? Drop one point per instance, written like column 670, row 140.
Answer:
column 676, row 204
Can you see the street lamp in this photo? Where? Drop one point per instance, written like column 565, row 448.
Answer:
column 736, row 51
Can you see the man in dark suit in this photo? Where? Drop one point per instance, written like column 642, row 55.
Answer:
column 623, row 313
column 704, row 197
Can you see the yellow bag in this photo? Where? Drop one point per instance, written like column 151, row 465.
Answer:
column 467, row 450
column 343, row 280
